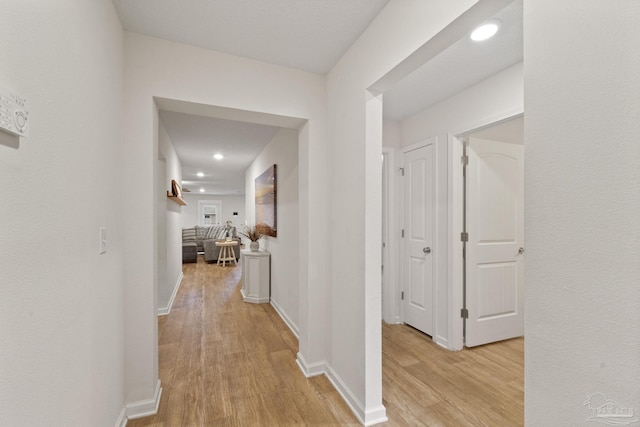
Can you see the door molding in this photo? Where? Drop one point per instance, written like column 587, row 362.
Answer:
column 455, row 198
column 391, row 311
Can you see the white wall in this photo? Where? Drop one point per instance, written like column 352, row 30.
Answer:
column 582, row 207
column 391, row 133
column 61, row 303
column 230, row 204
column 495, row 98
column 486, row 102
column 169, row 214
column 282, row 151
column 355, row 176
column 157, row 68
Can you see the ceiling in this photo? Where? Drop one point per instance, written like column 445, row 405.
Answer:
column 197, row 138
column 462, row 65
column 310, row 35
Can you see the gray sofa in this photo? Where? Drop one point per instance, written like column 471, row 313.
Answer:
column 199, row 235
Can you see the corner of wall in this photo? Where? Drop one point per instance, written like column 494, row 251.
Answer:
column 122, row 418
column 145, row 408
column 163, row 311
column 367, row 417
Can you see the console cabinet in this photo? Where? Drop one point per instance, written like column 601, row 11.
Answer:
column 256, row 276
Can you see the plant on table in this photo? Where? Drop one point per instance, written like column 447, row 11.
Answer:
column 254, row 232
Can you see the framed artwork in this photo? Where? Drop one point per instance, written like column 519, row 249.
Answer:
column 266, row 202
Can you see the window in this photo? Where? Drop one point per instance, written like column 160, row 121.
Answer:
column 209, row 212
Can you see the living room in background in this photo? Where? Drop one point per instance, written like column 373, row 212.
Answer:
column 209, row 212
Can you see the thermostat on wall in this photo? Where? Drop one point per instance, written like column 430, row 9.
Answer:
column 14, row 117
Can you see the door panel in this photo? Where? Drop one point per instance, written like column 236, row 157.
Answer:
column 495, row 268
column 418, row 200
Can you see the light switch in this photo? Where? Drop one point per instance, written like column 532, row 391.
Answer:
column 103, row 240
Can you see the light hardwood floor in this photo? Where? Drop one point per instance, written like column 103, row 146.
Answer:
column 224, row 362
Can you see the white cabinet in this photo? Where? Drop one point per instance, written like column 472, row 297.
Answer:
column 256, row 276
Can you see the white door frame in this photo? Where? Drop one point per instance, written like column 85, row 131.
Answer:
column 391, row 290
column 455, row 226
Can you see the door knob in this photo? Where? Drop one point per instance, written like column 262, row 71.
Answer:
column 426, row 250
column 521, row 251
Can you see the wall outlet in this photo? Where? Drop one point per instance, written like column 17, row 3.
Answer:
column 103, row 240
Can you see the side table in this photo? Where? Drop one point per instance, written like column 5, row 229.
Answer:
column 256, row 276
column 227, row 254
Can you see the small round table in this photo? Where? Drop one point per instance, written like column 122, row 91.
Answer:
column 227, row 253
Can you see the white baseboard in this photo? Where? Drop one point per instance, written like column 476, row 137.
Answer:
column 368, row 417
column 163, row 311
column 310, row 370
column 122, row 419
column 395, row 320
column 375, row 416
column 286, row 318
column 144, row 408
column 254, row 300
column 442, row 342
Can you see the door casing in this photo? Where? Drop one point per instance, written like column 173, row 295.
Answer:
column 455, row 199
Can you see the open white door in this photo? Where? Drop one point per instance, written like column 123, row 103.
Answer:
column 494, row 251
column 418, row 217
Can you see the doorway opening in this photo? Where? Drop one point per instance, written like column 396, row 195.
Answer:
column 285, row 141
column 492, row 238
column 419, row 111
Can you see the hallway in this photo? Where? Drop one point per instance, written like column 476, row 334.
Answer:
column 224, row 362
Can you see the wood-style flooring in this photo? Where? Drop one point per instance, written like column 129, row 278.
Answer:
column 223, row 362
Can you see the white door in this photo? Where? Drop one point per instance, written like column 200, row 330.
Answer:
column 494, row 259
column 418, row 218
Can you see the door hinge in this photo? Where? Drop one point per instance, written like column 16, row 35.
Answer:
column 402, row 171
column 464, row 313
column 464, row 236
column 402, row 233
column 402, row 295
column 465, row 160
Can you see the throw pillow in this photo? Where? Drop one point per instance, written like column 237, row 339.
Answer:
column 212, row 232
column 188, row 234
column 201, row 232
column 222, row 233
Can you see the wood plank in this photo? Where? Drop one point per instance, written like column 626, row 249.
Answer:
column 224, row 362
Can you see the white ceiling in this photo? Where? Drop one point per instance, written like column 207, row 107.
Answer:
column 197, row 138
column 462, row 65
column 310, row 35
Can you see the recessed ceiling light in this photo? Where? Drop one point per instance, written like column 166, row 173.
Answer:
column 200, row 174
column 486, row 30
column 218, row 156
column 202, row 190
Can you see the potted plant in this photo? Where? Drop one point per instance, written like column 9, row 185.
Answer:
column 254, row 234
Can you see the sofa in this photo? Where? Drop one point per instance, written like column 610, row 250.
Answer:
column 199, row 235
column 212, row 252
